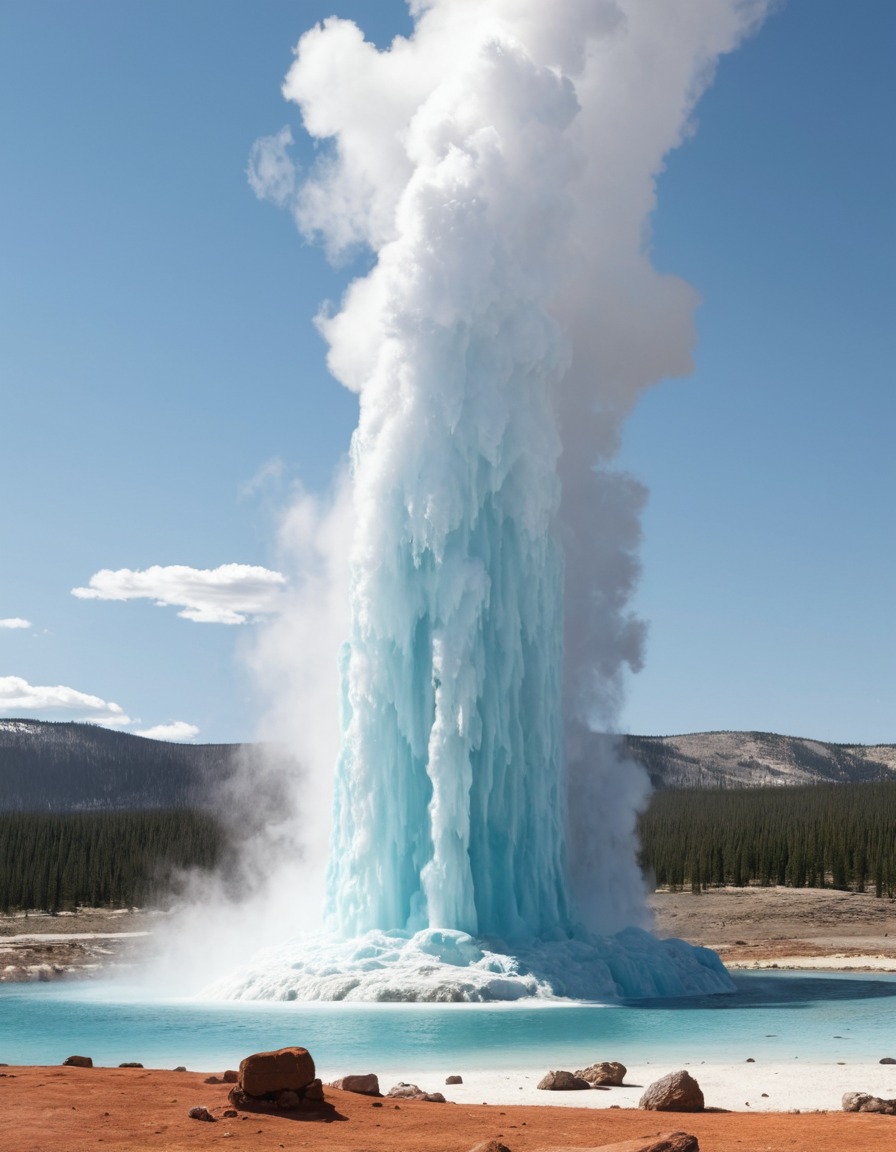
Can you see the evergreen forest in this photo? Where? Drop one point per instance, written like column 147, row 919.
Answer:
column 57, row 861
column 818, row 835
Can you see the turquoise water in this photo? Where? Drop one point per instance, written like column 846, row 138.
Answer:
column 779, row 1016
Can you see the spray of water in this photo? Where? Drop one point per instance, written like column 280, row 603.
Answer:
column 500, row 163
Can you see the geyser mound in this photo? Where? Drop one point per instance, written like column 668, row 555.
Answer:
column 442, row 966
column 500, row 166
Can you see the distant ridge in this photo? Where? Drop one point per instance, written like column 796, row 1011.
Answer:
column 757, row 760
column 67, row 767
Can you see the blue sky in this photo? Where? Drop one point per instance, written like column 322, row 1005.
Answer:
column 157, row 354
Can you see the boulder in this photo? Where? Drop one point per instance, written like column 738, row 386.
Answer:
column 677, row 1092
column 78, row 1062
column 888, row 1060
column 454, row 1079
column 365, row 1083
column 862, row 1102
column 130, row 1064
column 231, row 1076
column 562, row 1081
column 286, row 1069
column 608, row 1072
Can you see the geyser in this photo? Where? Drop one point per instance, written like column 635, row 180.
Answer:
column 500, row 165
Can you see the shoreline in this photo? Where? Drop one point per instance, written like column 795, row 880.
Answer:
column 131, row 1110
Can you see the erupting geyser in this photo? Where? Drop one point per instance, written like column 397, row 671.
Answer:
column 500, row 164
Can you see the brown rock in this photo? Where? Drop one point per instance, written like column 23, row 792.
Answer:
column 677, row 1092
column 490, row 1146
column 454, row 1079
column 862, row 1102
column 607, row 1072
column 561, row 1081
column 367, row 1084
column 667, row 1142
column 78, row 1062
column 200, row 1113
column 130, row 1064
column 403, row 1091
column 314, row 1091
column 887, row 1060
column 271, row 1072
column 231, row 1076
column 288, row 1100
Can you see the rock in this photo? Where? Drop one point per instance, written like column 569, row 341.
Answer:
column 888, row 1060
column 289, row 1100
column 181, row 1068
column 286, row 1069
column 200, row 1113
column 403, row 1091
column 78, row 1062
column 230, row 1113
column 365, row 1083
column 666, row 1142
column 231, row 1076
column 862, row 1102
column 607, row 1072
column 677, row 1092
column 454, row 1079
column 562, row 1082
column 130, row 1064
column 490, row 1146
column 314, row 1090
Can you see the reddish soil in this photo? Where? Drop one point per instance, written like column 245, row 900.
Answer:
column 112, row 1110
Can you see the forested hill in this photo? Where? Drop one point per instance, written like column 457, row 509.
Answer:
column 64, row 767
column 61, row 767
column 756, row 760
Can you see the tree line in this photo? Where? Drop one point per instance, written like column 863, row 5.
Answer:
column 57, row 861
column 818, row 835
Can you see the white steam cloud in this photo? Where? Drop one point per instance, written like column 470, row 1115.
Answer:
column 229, row 594
column 552, row 122
column 14, row 622
column 501, row 165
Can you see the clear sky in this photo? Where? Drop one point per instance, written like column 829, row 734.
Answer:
column 163, row 386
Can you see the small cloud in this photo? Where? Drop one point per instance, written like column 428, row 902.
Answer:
column 178, row 730
column 268, row 475
column 230, row 594
column 15, row 622
column 271, row 172
column 17, row 696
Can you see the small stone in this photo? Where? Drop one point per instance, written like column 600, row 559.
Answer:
column 888, row 1060
column 490, row 1146
column 750, row 1060
column 454, row 1079
column 562, row 1081
column 230, row 1114
column 365, row 1083
column 200, row 1113
column 180, row 1068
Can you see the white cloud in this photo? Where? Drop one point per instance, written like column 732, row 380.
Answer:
column 15, row 622
column 18, row 696
column 178, row 730
column 229, row 594
column 271, row 172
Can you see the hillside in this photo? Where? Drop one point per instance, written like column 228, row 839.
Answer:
column 65, row 767
column 757, row 760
